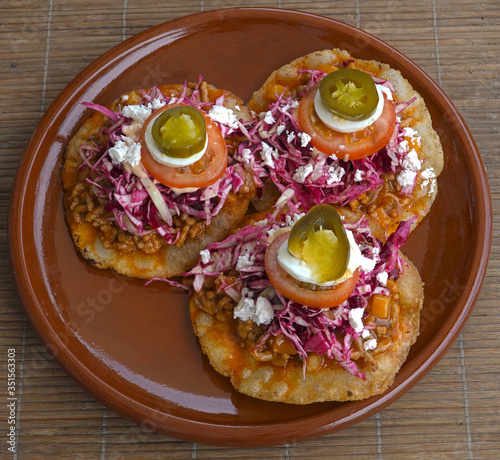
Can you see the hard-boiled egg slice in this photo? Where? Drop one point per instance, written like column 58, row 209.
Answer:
column 299, row 270
column 342, row 125
column 160, row 157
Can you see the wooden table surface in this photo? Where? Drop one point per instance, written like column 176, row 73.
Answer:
column 454, row 412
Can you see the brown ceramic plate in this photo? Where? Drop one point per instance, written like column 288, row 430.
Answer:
column 132, row 346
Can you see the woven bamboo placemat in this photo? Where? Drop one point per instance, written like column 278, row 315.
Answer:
column 454, row 412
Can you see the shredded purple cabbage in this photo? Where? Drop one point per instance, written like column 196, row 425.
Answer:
column 308, row 329
column 278, row 150
column 126, row 195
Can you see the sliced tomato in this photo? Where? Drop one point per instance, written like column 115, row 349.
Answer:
column 351, row 146
column 287, row 286
column 204, row 172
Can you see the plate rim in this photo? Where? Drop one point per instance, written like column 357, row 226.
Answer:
column 65, row 358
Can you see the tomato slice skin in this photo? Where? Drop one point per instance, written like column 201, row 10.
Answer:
column 287, row 286
column 206, row 171
column 349, row 146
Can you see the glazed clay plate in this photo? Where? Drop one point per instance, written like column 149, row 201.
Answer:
column 132, row 346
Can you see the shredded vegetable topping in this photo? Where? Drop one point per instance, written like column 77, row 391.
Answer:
column 279, row 151
column 139, row 204
column 325, row 332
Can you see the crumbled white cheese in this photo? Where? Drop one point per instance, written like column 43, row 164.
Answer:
column 245, row 309
column 244, row 261
column 427, row 175
column 358, row 175
column 412, row 134
column 302, row 173
column 280, row 129
column 125, row 150
column 223, row 115
column 370, row 344
column 260, row 311
column 205, row 256
column 411, row 161
column 268, row 118
column 156, row 104
column 355, row 319
column 304, row 139
column 291, row 137
column 335, row 174
column 382, row 278
column 333, row 157
column 268, row 154
column 290, row 220
column 406, row 178
column 267, row 157
column 403, row 146
column 366, row 264
column 264, row 312
column 246, row 156
column 139, row 113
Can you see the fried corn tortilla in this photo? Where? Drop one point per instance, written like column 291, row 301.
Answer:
column 104, row 244
column 386, row 205
column 261, row 360
column 325, row 380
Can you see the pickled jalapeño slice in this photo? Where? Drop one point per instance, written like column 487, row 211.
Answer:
column 319, row 239
column 180, row 132
column 349, row 93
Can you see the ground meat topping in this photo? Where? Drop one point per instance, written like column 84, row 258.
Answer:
column 97, row 195
column 278, row 349
column 85, row 207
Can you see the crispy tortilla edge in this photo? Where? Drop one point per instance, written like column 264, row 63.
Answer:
column 271, row 383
